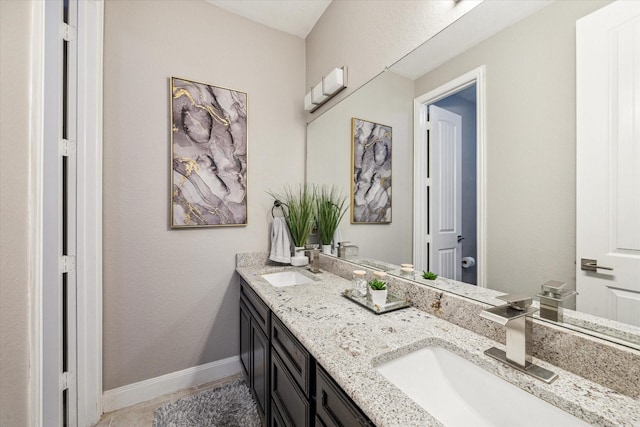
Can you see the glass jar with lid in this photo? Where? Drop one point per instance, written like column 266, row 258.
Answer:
column 380, row 275
column 359, row 283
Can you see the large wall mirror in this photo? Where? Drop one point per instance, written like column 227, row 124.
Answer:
column 522, row 172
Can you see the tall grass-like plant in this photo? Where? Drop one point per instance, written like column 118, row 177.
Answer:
column 330, row 208
column 299, row 209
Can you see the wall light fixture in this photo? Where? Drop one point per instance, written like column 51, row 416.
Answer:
column 330, row 85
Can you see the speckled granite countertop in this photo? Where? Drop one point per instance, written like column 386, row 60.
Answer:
column 349, row 341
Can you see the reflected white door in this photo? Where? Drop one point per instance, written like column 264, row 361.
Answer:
column 608, row 161
column 445, row 193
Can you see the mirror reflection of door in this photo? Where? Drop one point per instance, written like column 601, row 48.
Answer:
column 452, row 194
column 445, row 193
column 608, row 162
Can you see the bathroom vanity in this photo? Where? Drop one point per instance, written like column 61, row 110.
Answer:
column 319, row 353
column 288, row 386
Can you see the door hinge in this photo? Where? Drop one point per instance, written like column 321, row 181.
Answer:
column 67, row 264
column 427, row 182
column 427, row 125
column 69, row 32
column 428, row 238
column 67, row 147
column 67, row 380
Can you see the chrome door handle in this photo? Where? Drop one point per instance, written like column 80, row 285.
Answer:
column 592, row 265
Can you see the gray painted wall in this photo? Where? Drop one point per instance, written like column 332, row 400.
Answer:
column 171, row 296
column 387, row 100
column 368, row 36
column 15, row 27
column 531, row 147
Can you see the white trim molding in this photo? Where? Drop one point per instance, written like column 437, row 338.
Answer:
column 420, row 157
column 43, row 245
column 89, row 210
column 36, row 138
column 152, row 388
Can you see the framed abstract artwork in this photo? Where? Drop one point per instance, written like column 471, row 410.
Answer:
column 208, row 155
column 371, row 172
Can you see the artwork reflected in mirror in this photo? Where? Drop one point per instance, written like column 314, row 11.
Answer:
column 530, row 173
column 371, row 169
column 209, row 155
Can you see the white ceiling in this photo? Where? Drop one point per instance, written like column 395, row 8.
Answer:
column 295, row 17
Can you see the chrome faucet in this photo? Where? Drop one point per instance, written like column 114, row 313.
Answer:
column 515, row 315
column 552, row 296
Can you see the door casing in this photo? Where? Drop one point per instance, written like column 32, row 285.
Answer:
column 420, row 156
column 43, row 236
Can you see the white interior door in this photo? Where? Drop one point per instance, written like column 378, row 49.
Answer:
column 608, row 162
column 445, row 193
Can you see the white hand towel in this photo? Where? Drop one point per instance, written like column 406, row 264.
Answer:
column 280, row 243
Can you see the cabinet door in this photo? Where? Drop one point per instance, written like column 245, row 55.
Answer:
column 245, row 339
column 292, row 404
column 295, row 357
column 260, row 369
column 276, row 417
column 333, row 407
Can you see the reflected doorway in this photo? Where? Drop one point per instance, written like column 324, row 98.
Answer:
column 453, row 186
column 449, row 184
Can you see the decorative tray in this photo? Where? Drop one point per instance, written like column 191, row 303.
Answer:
column 393, row 302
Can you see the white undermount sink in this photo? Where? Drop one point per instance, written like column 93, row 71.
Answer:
column 459, row 393
column 287, row 278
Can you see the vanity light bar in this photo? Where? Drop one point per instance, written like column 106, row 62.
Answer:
column 318, row 95
column 330, row 85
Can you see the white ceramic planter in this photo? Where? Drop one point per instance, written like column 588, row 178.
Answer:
column 299, row 259
column 326, row 249
column 378, row 298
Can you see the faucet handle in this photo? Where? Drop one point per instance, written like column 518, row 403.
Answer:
column 517, row 302
column 553, row 288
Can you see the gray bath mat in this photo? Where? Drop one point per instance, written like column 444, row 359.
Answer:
column 227, row 406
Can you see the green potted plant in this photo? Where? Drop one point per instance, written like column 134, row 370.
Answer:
column 298, row 207
column 329, row 210
column 378, row 292
column 429, row 275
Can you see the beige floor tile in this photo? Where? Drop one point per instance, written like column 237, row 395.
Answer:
column 141, row 415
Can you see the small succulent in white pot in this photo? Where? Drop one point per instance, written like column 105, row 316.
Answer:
column 378, row 292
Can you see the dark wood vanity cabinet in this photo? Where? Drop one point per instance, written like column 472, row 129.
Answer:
column 289, row 389
column 333, row 407
column 292, row 369
column 255, row 351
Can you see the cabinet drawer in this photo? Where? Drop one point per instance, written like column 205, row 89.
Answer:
column 293, row 407
column 295, row 357
column 333, row 407
column 259, row 309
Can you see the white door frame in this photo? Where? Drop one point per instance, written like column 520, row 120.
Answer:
column 89, row 215
column 44, row 101
column 420, row 156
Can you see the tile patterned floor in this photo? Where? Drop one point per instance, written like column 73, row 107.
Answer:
column 141, row 415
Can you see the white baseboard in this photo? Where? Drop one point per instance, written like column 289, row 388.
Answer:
column 152, row 388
